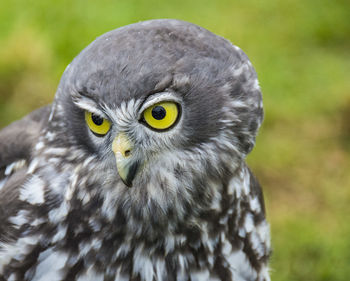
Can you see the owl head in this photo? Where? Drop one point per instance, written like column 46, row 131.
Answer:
column 164, row 108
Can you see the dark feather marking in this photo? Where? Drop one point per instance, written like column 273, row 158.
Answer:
column 74, row 271
column 257, row 190
column 28, row 264
column 220, row 269
column 171, row 268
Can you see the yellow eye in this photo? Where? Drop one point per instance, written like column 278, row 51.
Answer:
column 97, row 124
column 162, row 115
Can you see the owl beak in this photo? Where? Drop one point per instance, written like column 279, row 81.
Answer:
column 126, row 166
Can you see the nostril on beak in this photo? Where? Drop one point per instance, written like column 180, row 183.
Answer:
column 122, row 147
column 127, row 153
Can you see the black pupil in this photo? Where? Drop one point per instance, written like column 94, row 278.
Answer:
column 96, row 119
column 158, row 112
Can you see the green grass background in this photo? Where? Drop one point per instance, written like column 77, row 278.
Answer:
column 301, row 51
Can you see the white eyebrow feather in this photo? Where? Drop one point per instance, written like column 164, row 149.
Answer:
column 89, row 105
column 159, row 97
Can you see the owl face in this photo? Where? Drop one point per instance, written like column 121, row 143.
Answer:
column 163, row 109
column 142, row 137
column 136, row 133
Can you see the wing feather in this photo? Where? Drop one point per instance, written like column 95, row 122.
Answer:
column 16, row 146
column 17, row 141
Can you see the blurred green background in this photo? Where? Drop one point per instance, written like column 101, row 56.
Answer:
column 301, row 51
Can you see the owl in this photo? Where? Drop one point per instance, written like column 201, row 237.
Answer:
column 137, row 169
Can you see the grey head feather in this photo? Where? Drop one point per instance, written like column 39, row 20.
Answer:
column 137, row 60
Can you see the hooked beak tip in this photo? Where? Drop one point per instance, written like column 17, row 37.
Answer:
column 127, row 183
column 132, row 170
column 127, row 171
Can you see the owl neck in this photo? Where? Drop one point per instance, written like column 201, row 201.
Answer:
column 193, row 218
